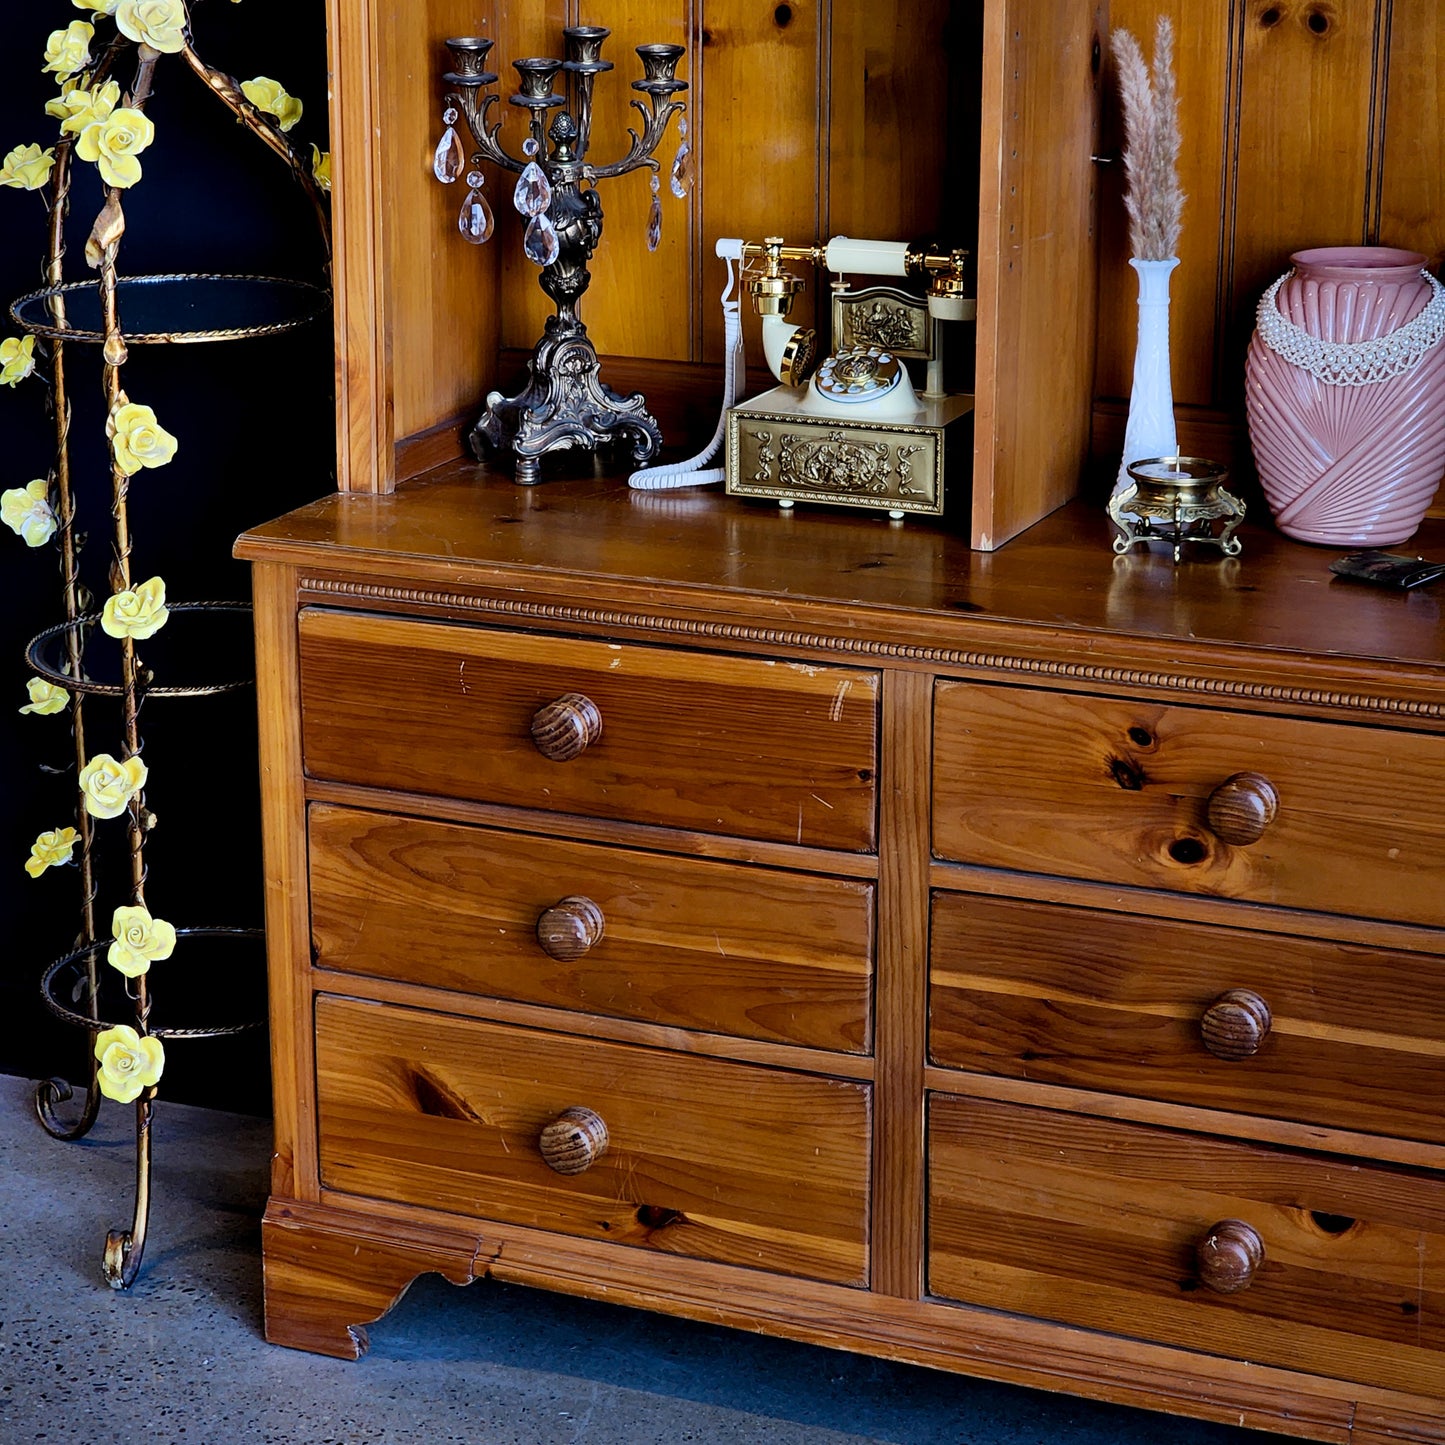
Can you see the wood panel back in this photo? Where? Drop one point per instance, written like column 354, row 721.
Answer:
column 1120, row 791
column 688, row 740
column 1352, row 1037
column 1097, row 1223
column 416, row 316
column 713, row 1160
column 693, row 944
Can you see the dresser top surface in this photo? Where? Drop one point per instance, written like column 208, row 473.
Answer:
column 466, row 525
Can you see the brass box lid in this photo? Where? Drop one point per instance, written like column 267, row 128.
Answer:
column 778, row 448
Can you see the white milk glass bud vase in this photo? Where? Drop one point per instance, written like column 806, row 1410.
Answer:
column 1150, row 430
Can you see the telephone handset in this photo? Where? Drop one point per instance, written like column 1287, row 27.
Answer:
column 868, row 372
column 864, row 382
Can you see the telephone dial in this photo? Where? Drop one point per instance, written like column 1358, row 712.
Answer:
column 851, row 428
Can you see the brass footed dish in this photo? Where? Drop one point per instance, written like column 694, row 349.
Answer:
column 1177, row 500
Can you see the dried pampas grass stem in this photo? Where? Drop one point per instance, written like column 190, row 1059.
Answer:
column 1151, row 143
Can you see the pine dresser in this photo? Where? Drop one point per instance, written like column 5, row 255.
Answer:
column 1027, row 963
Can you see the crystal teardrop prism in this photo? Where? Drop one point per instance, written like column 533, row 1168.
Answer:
column 540, row 243
column 654, row 223
column 533, row 194
column 449, row 160
column 476, row 222
column 681, row 177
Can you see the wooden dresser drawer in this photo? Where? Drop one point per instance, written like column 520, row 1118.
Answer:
column 1289, row 1028
column 679, row 941
column 739, row 746
column 1170, row 797
column 1102, row 1224
column 715, row 1160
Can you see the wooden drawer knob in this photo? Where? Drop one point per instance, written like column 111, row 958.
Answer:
column 1228, row 1256
column 568, row 929
column 1241, row 808
column 575, row 1140
column 565, row 729
column 1235, row 1024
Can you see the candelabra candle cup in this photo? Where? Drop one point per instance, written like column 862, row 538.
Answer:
column 469, row 61
column 536, row 76
column 584, row 45
column 659, row 69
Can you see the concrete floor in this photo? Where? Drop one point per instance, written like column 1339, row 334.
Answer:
column 180, row 1358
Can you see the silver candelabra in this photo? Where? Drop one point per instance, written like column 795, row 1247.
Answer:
column 564, row 403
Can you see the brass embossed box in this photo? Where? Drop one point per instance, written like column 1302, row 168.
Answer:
column 777, row 447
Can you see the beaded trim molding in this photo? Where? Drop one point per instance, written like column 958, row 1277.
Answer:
column 1353, row 363
column 1099, row 673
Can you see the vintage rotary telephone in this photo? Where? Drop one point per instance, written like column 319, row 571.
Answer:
column 852, row 428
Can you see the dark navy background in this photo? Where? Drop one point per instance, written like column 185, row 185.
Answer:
column 255, row 425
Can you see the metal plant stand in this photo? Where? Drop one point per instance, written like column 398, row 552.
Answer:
column 109, row 671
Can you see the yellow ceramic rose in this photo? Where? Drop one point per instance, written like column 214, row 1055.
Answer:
column 321, row 168
column 128, row 1063
column 27, row 168
column 17, row 359
column 270, row 96
column 45, row 697
column 138, row 612
column 26, row 511
column 68, row 50
column 140, row 941
column 161, row 24
column 78, row 108
column 108, row 785
column 101, row 7
column 51, row 849
column 140, row 440
column 114, row 143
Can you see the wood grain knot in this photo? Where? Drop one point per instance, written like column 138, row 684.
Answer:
column 1228, row 1256
column 574, row 1141
column 566, row 728
column 1236, row 1024
column 570, row 928
column 1128, row 775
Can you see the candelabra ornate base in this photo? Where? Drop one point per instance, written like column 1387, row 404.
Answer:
column 565, row 403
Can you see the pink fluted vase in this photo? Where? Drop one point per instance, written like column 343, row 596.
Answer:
column 1345, row 392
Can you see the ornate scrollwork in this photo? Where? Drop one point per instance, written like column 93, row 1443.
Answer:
column 905, row 470
column 766, row 455
column 835, row 464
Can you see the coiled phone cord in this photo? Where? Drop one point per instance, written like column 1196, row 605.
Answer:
column 695, row 472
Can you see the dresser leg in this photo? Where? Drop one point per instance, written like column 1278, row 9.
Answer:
column 329, row 1274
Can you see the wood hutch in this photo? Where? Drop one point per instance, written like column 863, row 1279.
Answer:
column 1008, row 958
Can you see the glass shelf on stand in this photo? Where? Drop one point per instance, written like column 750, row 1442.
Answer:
column 176, row 638
column 174, row 310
